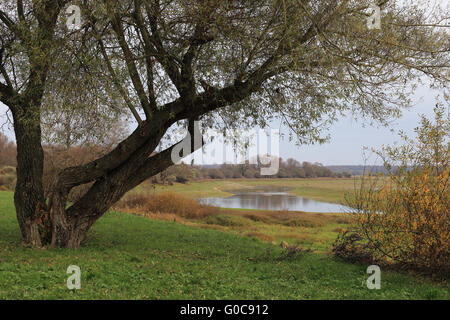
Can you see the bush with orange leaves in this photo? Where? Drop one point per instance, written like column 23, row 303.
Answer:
column 404, row 219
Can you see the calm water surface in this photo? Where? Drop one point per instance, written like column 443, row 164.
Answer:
column 271, row 198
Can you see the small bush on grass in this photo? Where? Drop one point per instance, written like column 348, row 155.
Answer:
column 348, row 247
column 291, row 251
column 288, row 252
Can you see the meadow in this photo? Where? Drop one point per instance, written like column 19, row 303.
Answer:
column 130, row 256
column 321, row 189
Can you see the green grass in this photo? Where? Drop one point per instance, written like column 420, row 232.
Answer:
column 131, row 257
column 315, row 231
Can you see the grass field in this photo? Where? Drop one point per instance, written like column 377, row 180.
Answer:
column 131, row 257
column 314, row 231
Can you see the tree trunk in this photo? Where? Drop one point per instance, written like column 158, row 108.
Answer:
column 31, row 210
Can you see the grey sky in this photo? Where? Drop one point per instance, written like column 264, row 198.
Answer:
column 349, row 137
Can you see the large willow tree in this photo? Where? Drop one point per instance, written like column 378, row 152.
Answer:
column 163, row 62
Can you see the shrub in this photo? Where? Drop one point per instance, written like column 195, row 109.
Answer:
column 292, row 251
column 133, row 201
column 8, row 152
column 215, row 174
column 260, row 218
column 171, row 179
column 404, row 219
column 348, row 246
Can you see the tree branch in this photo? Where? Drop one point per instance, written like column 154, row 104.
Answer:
column 128, row 56
column 116, row 82
column 162, row 56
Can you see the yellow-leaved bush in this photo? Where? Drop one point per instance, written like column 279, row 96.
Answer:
column 403, row 218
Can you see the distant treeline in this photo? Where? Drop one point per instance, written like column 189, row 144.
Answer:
column 359, row 169
column 290, row 168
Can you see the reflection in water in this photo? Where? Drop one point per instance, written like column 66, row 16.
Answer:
column 273, row 199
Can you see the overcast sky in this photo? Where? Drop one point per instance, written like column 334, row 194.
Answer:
column 349, row 137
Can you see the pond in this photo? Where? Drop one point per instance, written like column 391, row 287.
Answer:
column 272, row 198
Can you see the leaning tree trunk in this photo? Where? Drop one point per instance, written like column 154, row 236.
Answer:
column 71, row 225
column 31, row 210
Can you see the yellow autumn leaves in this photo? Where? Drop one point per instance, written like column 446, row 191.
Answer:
column 404, row 218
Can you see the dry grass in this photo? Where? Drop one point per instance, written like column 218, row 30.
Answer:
column 166, row 203
column 297, row 236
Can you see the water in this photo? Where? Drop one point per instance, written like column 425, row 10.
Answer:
column 270, row 198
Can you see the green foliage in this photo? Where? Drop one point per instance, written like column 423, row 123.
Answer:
column 282, row 65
